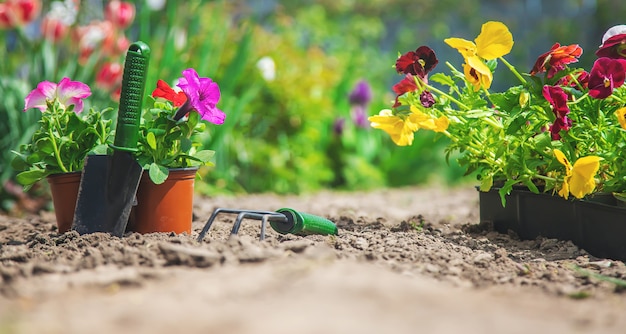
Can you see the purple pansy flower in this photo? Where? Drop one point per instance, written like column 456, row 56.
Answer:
column 66, row 92
column 202, row 96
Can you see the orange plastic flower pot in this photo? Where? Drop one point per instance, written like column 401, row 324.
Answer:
column 166, row 207
column 64, row 189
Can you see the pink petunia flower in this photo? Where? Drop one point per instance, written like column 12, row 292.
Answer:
column 66, row 92
column 202, row 96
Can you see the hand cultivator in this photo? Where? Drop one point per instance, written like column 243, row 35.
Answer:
column 283, row 221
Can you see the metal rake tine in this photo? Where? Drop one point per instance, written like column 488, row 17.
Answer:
column 258, row 215
column 209, row 222
column 266, row 218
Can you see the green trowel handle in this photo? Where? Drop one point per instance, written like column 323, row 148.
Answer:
column 131, row 99
column 303, row 224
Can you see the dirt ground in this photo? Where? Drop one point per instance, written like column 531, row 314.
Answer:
column 405, row 261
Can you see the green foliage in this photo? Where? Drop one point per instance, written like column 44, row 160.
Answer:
column 165, row 143
column 61, row 143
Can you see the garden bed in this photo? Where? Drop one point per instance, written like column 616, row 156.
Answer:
column 404, row 259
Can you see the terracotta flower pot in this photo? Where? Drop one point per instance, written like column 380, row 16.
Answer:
column 166, row 207
column 64, row 189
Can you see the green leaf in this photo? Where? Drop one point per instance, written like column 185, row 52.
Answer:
column 441, row 79
column 158, row 174
column 204, row 155
column 29, row 177
column 185, row 144
column 100, row 149
column 151, row 139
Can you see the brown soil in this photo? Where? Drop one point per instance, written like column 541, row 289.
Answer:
column 406, row 260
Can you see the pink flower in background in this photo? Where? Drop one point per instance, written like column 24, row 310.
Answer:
column 202, row 96
column 66, row 92
column 120, row 13
column 109, row 78
column 16, row 13
column 53, row 30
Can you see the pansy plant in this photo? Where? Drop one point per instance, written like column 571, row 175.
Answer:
column 528, row 134
column 169, row 130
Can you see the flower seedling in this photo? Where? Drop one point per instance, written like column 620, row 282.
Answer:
column 528, row 134
column 168, row 130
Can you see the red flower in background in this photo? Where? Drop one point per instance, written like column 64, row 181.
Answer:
column 164, row 91
column 613, row 43
column 53, row 30
column 555, row 60
column 606, row 75
column 120, row 13
column 418, row 62
column 15, row 13
column 109, row 78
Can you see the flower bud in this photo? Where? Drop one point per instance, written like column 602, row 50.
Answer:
column 524, row 97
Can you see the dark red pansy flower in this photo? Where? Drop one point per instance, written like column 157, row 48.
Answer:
column 555, row 60
column 606, row 75
column 562, row 123
column 404, row 86
column 418, row 62
column 558, row 100
column 164, row 90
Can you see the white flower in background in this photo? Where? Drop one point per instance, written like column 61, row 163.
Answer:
column 267, row 67
column 180, row 38
column 155, row 4
column 63, row 11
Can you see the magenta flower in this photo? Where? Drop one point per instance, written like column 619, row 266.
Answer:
column 606, row 75
column 202, row 96
column 558, row 100
column 66, row 92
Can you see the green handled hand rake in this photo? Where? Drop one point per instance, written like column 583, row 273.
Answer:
column 283, row 221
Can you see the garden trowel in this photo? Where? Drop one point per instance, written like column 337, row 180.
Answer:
column 109, row 182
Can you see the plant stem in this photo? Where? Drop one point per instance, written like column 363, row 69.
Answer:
column 459, row 103
column 57, row 154
column 513, row 70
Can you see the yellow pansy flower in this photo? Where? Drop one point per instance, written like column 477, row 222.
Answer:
column 428, row 122
column 579, row 179
column 479, row 76
column 621, row 117
column 400, row 129
column 495, row 40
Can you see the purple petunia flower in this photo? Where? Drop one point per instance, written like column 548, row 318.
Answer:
column 202, row 96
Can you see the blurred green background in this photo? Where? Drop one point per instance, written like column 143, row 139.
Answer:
column 286, row 70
